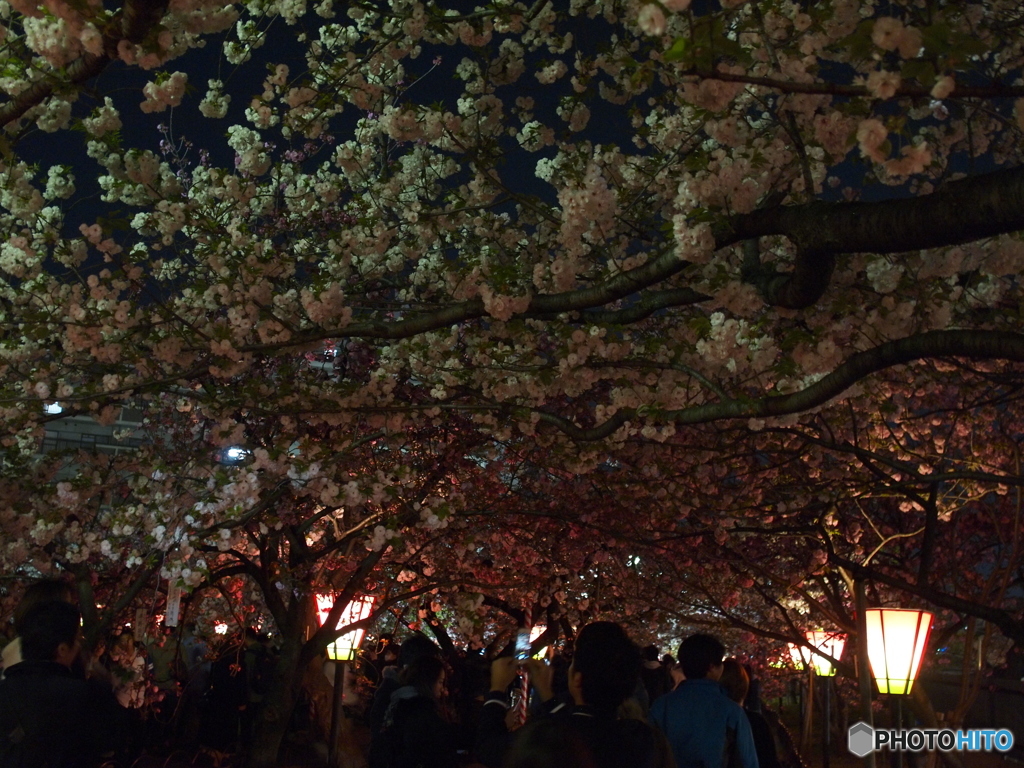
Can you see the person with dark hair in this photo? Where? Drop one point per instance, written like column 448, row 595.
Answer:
column 736, row 682
column 656, row 678
column 705, row 728
column 48, row 715
column 413, row 648
column 604, row 673
column 415, row 734
column 41, row 591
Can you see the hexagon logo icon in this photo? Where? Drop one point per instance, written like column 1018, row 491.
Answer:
column 861, row 739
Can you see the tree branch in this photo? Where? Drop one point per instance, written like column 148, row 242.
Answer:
column 1008, row 625
column 137, row 19
column 978, row 345
column 961, row 211
column 993, row 91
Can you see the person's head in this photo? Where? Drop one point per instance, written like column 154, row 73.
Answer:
column 544, row 743
column 701, row 656
column 668, row 660
column 124, row 644
column 426, row 674
column 50, row 632
column 734, row 680
column 650, row 653
column 416, row 646
column 605, row 666
column 43, row 591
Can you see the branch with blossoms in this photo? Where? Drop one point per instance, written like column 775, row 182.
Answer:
column 989, row 345
column 131, row 23
column 906, row 469
column 959, row 212
column 992, row 91
column 909, row 471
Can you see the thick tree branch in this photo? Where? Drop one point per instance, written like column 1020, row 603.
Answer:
column 960, row 212
column 78, row 72
column 906, row 90
column 978, row 345
column 649, row 303
column 931, row 532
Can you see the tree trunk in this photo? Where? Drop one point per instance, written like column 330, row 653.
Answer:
column 275, row 712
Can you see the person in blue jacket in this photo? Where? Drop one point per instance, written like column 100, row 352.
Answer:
column 704, row 727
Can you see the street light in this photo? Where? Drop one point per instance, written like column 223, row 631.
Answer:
column 897, row 638
column 800, row 655
column 342, row 650
column 831, row 645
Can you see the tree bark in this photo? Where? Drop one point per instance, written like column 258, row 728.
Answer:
column 961, row 211
column 276, row 710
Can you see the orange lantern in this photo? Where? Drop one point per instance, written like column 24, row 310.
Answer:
column 897, row 638
column 829, row 643
column 801, row 656
column 344, row 648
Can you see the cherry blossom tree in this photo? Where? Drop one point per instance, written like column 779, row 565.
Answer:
column 729, row 248
column 788, row 203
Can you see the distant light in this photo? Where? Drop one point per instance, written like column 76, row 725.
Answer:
column 830, row 644
column 220, row 628
column 234, row 454
column 52, row 408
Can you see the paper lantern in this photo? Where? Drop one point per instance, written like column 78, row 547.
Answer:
column 897, row 638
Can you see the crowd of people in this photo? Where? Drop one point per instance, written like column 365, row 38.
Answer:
column 173, row 692
column 602, row 703
column 610, row 705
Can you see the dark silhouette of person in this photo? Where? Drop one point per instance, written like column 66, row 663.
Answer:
column 41, row 591
column 736, row 683
column 415, row 732
column 604, row 673
column 704, row 726
column 656, row 678
column 412, row 649
column 544, row 743
column 50, row 716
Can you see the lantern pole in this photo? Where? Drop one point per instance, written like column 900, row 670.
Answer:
column 337, row 713
column 863, row 666
column 343, row 649
column 826, row 722
column 897, row 701
column 830, row 644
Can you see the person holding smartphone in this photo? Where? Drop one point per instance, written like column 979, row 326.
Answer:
column 604, row 673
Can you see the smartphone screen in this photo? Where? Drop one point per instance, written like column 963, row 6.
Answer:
column 523, row 645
